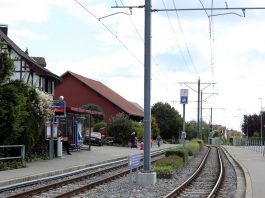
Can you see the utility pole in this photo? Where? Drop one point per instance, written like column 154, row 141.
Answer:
column 147, row 87
column 203, row 100
column 211, row 117
column 198, row 111
column 199, row 102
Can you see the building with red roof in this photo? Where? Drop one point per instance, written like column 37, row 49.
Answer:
column 79, row 90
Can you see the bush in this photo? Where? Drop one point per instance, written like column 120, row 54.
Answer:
column 120, row 128
column 192, row 147
column 167, row 166
column 178, row 152
column 11, row 164
column 99, row 125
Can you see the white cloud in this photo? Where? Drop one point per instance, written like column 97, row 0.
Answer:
column 238, row 51
column 24, row 11
column 28, row 34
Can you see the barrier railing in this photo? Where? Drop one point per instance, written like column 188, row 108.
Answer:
column 255, row 145
column 3, row 152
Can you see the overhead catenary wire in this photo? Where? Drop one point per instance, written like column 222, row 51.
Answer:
column 120, row 41
column 175, row 37
column 184, row 38
column 123, row 44
column 142, row 40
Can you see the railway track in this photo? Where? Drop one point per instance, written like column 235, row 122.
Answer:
column 79, row 184
column 206, row 180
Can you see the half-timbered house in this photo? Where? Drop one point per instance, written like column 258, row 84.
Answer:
column 29, row 69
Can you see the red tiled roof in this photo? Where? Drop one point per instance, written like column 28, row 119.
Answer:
column 109, row 94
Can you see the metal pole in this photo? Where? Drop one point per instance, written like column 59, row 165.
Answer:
column 201, row 118
column 51, row 142
column 183, row 117
column 198, row 111
column 261, row 120
column 211, row 126
column 147, row 87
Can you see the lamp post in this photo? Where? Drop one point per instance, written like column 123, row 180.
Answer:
column 246, row 117
column 261, row 120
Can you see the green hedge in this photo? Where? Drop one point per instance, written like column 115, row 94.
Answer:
column 181, row 152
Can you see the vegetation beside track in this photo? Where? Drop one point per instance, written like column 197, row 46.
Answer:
column 175, row 158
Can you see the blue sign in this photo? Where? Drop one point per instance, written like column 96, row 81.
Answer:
column 58, row 107
column 183, row 99
column 134, row 161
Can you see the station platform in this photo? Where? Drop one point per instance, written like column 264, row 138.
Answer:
column 253, row 163
column 78, row 160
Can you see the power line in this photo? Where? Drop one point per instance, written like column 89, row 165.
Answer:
column 174, row 33
column 182, row 32
column 122, row 43
column 142, row 40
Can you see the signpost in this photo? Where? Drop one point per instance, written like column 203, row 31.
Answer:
column 133, row 162
column 183, row 100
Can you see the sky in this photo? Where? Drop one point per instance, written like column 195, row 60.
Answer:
column 222, row 48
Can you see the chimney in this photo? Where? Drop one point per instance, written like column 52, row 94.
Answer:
column 4, row 28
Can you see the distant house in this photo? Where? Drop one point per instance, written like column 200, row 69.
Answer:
column 79, row 90
column 29, row 69
column 233, row 133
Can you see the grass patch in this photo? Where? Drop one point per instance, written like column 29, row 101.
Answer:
column 167, row 166
column 194, row 147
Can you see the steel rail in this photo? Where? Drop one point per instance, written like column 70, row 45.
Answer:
column 70, row 173
column 220, row 178
column 218, row 182
column 190, row 179
column 61, row 183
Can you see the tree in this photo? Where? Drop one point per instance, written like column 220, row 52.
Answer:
column 252, row 123
column 120, row 128
column 23, row 109
column 154, row 127
column 95, row 119
column 168, row 119
column 191, row 129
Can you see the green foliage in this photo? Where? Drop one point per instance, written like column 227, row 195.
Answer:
column 120, row 128
column 168, row 165
column 7, row 68
column 94, row 119
column 11, row 164
column 138, row 128
column 252, row 123
column 181, row 152
column 168, row 119
column 154, row 127
column 256, row 135
column 99, row 125
column 193, row 147
column 191, row 129
column 22, row 114
column 23, row 109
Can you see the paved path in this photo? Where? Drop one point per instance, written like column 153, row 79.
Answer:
column 253, row 163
